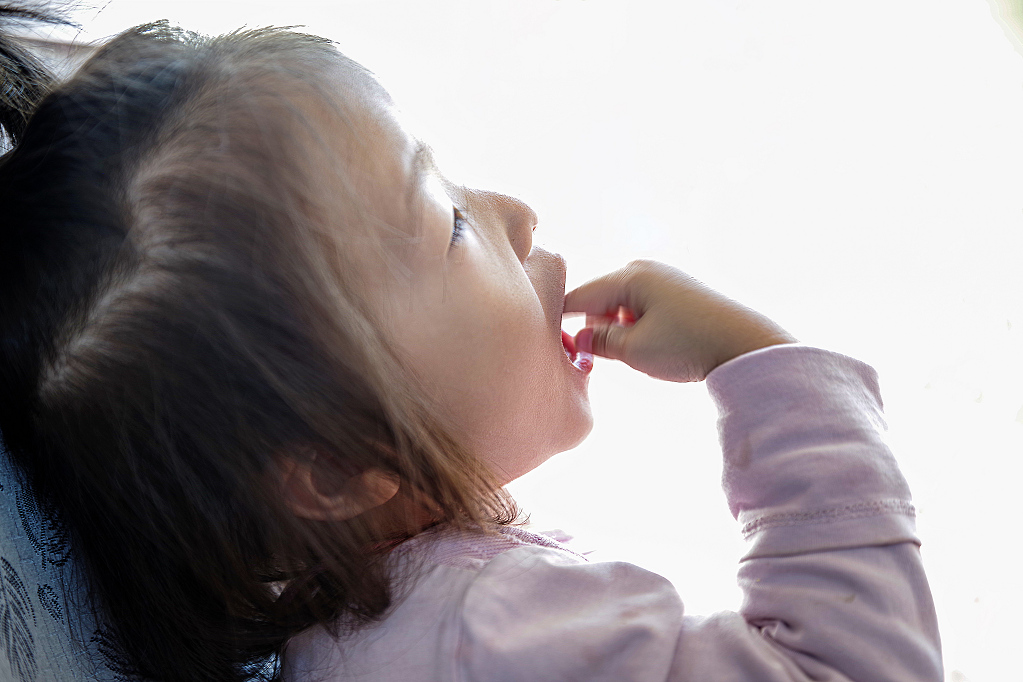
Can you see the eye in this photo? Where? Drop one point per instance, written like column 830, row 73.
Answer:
column 458, row 226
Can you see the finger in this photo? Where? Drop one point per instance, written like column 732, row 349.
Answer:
column 609, row 341
column 594, row 320
column 604, row 295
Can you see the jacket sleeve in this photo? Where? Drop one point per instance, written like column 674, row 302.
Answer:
column 834, row 589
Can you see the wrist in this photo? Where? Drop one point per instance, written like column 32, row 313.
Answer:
column 748, row 345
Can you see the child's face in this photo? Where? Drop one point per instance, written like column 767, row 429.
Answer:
column 479, row 318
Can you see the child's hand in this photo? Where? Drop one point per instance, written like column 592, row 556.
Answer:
column 661, row 321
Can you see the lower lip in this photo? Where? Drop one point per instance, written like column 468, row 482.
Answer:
column 581, row 361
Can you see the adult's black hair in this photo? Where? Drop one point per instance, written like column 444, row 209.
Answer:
column 24, row 80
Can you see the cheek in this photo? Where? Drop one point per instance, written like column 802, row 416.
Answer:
column 490, row 373
column 491, row 320
column 484, row 350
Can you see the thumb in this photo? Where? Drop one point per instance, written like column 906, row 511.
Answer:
column 607, row 340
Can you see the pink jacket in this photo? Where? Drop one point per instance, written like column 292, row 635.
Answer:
column 834, row 587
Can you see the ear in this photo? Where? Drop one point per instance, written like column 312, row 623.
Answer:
column 313, row 493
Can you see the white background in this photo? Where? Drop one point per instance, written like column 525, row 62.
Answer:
column 850, row 169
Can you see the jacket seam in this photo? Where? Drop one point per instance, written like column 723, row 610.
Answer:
column 852, row 511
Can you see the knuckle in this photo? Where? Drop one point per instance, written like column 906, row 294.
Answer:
column 642, row 265
column 644, row 270
column 603, row 340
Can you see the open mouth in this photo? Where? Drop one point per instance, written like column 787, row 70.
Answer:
column 569, row 343
column 581, row 360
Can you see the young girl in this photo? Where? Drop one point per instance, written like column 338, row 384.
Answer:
column 273, row 369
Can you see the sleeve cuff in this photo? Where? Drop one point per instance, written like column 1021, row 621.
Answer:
column 806, row 465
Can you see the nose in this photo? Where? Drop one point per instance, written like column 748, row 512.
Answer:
column 520, row 221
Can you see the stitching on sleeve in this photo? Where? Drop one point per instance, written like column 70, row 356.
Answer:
column 851, row 511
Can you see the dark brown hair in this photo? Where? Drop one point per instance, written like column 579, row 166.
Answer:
column 173, row 312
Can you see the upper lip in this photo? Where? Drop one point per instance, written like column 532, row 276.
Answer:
column 549, row 269
column 562, row 275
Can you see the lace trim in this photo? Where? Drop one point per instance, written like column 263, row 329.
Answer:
column 471, row 548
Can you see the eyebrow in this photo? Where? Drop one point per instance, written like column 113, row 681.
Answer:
column 422, row 163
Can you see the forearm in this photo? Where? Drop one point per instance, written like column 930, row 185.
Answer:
column 833, row 574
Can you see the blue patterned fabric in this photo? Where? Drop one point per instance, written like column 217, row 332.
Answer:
column 47, row 633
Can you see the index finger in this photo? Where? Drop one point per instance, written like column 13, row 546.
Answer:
column 605, row 296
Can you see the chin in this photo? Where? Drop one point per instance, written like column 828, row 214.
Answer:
column 572, row 435
column 580, row 427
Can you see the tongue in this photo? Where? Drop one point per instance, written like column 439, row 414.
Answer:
column 569, row 343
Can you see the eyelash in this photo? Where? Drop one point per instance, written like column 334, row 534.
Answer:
column 458, row 226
